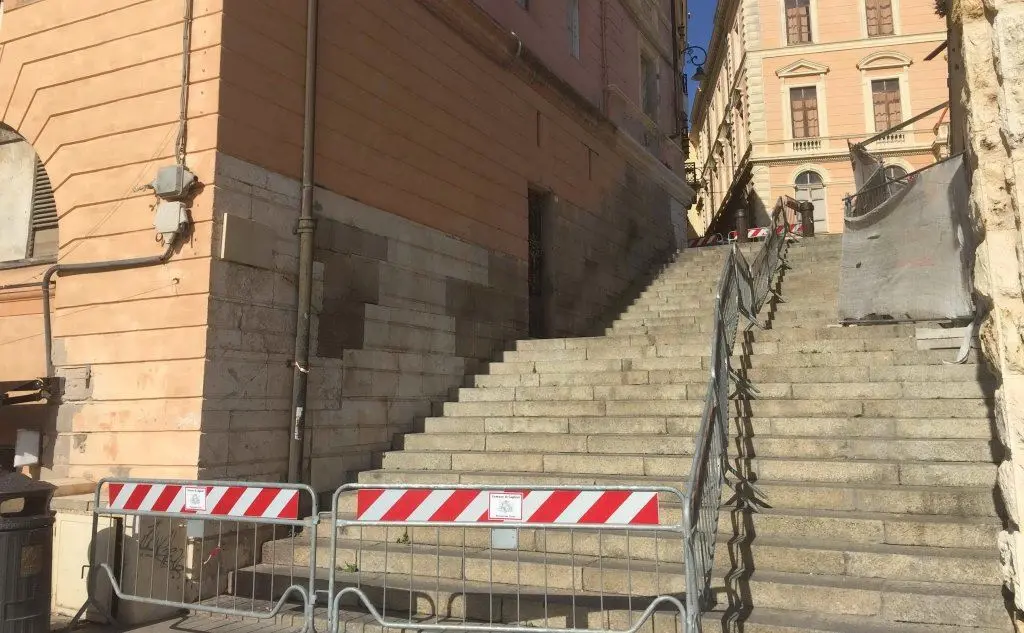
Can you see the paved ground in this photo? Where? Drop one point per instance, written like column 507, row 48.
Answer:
column 185, row 624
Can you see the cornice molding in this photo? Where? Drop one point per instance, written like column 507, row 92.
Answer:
column 884, row 59
column 802, row 68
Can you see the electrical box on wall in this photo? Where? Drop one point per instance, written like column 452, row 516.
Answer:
column 173, row 182
column 170, row 217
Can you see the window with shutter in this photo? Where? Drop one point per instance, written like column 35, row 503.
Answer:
column 804, row 106
column 573, row 24
column 649, row 87
column 43, row 232
column 885, row 98
column 880, row 18
column 798, row 21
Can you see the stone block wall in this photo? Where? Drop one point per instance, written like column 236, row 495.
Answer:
column 595, row 259
column 401, row 313
column 986, row 56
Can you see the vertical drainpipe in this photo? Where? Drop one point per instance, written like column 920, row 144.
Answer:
column 676, row 79
column 305, row 228
column 605, row 106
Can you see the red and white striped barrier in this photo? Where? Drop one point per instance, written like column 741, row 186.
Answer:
column 760, row 232
column 254, row 502
column 567, row 507
column 707, row 240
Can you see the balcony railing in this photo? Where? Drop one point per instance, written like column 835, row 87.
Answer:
column 806, row 144
column 896, row 138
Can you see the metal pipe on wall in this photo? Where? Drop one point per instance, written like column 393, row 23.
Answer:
column 676, row 79
column 89, row 267
column 305, row 228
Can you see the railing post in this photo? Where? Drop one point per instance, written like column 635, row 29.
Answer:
column 807, row 218
column 741, row 224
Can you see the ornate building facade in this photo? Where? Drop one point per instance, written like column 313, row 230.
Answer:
column 790, row 83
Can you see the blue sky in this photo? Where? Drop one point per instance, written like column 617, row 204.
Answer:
column 702, row 17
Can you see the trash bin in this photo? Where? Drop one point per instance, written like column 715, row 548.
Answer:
column 26, row 554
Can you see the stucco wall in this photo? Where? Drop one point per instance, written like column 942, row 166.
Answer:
column 95, row 90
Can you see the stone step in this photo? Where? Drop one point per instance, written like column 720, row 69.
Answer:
column 638, row 322
column 427, row 599
column 882, row 373
column 860, row 471
column 704, row 317
column 937, row 408
column 645, row 346
column 665, row 358
column 682, row 284
column 847, row 528
column 653, row 560
column 847, row 358
column 761, row 620
column 669, row 332
column 638, row 312
column 853, row 528
column 880, row 390
column 955, row 501
column 851, row 428
column 803, row 257
column 706, row 303
column 764, row 446
column 895, row 602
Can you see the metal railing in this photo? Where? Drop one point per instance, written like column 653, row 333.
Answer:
column 539, row 559
column 742, row 291
column 878, row 190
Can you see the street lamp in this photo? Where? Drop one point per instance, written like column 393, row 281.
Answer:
column 696, row 56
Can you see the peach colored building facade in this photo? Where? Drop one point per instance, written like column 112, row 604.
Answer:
column 436, row 129
column 791, row 82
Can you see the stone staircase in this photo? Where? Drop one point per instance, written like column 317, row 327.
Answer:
column 875, row 458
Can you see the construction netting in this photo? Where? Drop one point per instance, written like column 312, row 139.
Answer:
column 907, row 245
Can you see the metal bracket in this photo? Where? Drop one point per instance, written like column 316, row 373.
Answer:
column 38, row 389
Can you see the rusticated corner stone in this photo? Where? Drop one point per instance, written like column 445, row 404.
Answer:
column 1006, row 557
column 1005, row 482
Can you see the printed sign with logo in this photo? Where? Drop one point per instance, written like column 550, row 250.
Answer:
column 506, row 506
column 195, row 499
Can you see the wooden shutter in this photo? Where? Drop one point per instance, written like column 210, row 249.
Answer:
column 880, row 18
column 804, row 106
column 885, row 99
column 798, row 21
column 43, row 240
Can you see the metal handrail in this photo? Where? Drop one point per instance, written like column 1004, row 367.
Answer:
column 742, row 291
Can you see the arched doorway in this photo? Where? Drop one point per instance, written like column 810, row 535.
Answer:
column 894, row 172
column 28, row 212
column 810, row 187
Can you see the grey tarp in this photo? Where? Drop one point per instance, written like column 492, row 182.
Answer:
column 907, row 258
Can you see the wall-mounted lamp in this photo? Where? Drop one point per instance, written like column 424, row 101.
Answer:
column 696, row 56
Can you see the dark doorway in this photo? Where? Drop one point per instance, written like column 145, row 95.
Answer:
column 539, row 202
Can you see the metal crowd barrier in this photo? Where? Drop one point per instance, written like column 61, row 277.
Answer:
column 184, row 545
column 474, row 558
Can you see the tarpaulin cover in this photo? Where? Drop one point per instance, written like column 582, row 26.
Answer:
column 907, row 247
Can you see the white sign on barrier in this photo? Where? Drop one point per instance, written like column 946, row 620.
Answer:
column 506, row 506
column 195, row 499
